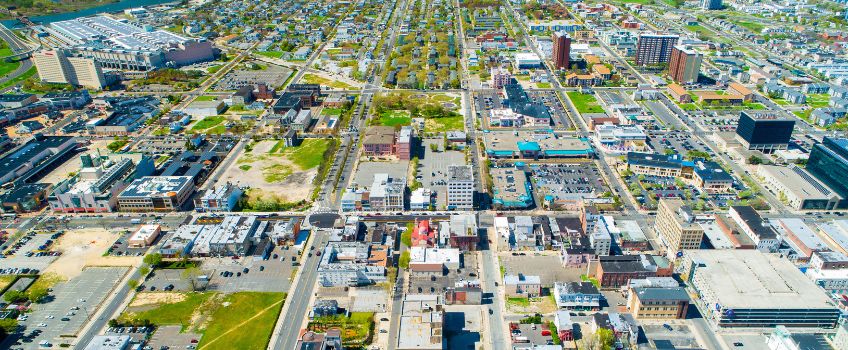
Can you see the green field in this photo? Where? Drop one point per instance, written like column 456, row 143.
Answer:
column 752, row 26
column 20, row 79
column 6, row 67
column 208, row 122
column 271, row 54
column 585, row 103
column 306, row 156
column 818, row 100
column 443, row 124
column 180, row 313
column 394, row 118
column 205, row 98
column 244, row 320
column 314, row 79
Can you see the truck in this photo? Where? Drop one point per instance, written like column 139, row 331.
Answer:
column 135, row 221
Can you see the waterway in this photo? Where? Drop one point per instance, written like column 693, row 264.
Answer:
column 111, row 7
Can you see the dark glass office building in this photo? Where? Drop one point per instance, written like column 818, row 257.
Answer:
column 829, row 163
column 764, row 132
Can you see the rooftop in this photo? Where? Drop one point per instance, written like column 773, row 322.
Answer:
column 156, row 186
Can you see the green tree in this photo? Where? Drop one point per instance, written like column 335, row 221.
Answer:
column 406, row 238
column 8, row 326
column 132, row 284
column 36, row 294
column 403, row 262
column 143, row 271
column 754, row 160
column 14, row 296
column 153, row 259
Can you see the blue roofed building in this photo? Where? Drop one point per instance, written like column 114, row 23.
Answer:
column 522, row 144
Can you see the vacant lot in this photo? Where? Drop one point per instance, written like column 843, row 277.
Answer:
column 286, row 172
column 309, row 78
column 357, row 330
column 585, row 103
column 166, row 308
column 85, row 247
column 253, row 311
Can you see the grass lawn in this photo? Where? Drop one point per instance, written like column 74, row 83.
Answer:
column 517, row 301
column 357, row 330
column 688, row 106
column 594, row 281
column 19, row 79
column 245, row 167
column 441, row 98
column 818, row 100
column 205, row 98
column 208, row 122
column 585, row 103
column 180, row 313
column 309, row 154
column 444, row 124
column 332, row 111
column 244, row 320
column 271, row 54
column 543, row 85
column 6, row 280
column 6, row 67
column 753, row 105
column 314, row 79
column 394, row 118
column 752, row 26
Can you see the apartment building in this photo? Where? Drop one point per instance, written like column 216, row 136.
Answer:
column 684, row 65
column 460, row 187
column 653, row 49
column 676, row 227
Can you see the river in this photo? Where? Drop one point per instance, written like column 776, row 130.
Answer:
column 111, row 7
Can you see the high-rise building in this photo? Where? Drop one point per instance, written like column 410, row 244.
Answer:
column 676, row 227
column 654, row 48
column 55, row 66
column 711, row 4
column 765, row 132
column 829, row 163
column 460, row 187
column 684, row 65
column 561, row 50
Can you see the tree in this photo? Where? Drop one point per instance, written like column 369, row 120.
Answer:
column 8, row 326
column 153, row 259
column 36, row 294
column 754, row 160
column 403, row 262
column 132, row 284
column 13, row 296
column 190, row 274
column 143, row 271
column 406, row 237
column 603, row 339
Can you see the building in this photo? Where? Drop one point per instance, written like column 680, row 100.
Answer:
column 121, row 45
column 651, row 164
column 678, row 93
column 56, row 66
column 829, row 163
column 658, row 303
column 561, row 54
column 800, row 237
column 684, row 65
column 510, row 188
column 219, row 198
column 801, row 190
column 405, row 140
column 325, row 307
column 144, row 236
column 309, row 340
column 652, row 49
column 235, row 235
column 757, row 229
column 462, row 232
column 500, row 77
column 765, row 132
column 110, row 342
column 601, row 237
column 711, row 5
column 527, row 60
column 522, row 286
column 379, row 141
column 95, row 187
column 676, row 227
column 25, row 198
column 615, row 271
column 347, row 264
column 582, row 296
column 156, row 193
column 387, row 193
column 421, row 323
column 564, row 326
column 433, row 261
column 621, row 138
column 735, row 88
column 537, row 144
column 460, row 187
column 840, row 340
column 747, row 288
column 36, row 158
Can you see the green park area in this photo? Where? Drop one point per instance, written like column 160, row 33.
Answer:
column 271, row 54
column 210, row 125
column 585, row 103
column 309, row 78
column 309, row 154
column 439, row 111
column 818, row 100
column 394, row 118
column 6, row 67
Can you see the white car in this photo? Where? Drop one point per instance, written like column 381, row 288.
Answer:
column 42, row 324
column 23, row 317
column 50, row 317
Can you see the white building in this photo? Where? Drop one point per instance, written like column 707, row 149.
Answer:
column 219, row 198
column 527, row 60
column 144, row 236
column 346, row 264
column 758, row 230
column 460, row 187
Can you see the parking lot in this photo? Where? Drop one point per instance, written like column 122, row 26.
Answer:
column 485, row 101
column 678, row 141
column 26, row 255
column 121, row 246
column 273, row 76
column 566, row 181
column 678, row 334
column 56, row 318
column 365, row 171
column 433, row 169
column 548, row 267
column 550, row 100
column 664, row 115
column 272, row 275
column 172, row 337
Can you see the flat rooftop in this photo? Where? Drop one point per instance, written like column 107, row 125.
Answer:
column 28, row 151
column 749, row 279
column 460, row 173
column 797, row 181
